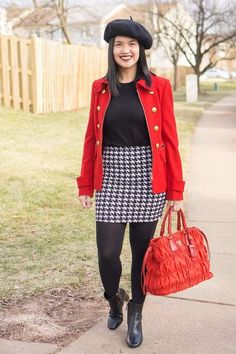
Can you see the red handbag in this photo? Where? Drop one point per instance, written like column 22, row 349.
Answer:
column 176, row 261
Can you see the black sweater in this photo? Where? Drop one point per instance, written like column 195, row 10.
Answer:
column 124, row 121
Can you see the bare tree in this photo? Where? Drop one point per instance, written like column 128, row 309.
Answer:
column 35, row 3
column 61, row 11
column 170, row 38
column 45, row 11
column 213, row 27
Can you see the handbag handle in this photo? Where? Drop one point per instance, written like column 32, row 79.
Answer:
column 164, row 221
column 188, row 239
column 179, row 217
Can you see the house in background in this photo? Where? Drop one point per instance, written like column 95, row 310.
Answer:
column 83, row 23
column 86, row 26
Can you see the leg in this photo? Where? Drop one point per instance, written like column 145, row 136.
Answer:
column 110, row 238
column 140, row 235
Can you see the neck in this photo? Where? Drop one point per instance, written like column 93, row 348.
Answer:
column 127, row 75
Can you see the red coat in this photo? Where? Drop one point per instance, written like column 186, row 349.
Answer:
column 157, row 102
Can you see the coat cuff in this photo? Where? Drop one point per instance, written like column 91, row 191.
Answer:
column 176, row 185
column 82, row 182
column 86, row 191
column 84, row 186
column 175, row 189
column 174, row 195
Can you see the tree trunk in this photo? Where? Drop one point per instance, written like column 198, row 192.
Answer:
column 175, row 86
column 196, row 72
column 198, row 84
column 63, row 26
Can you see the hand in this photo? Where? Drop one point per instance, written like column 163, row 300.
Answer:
column 85, row 201
column 176, row 203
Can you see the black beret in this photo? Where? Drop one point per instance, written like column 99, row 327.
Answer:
column 129, row 28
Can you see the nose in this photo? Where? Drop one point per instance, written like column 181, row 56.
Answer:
column 125, row 49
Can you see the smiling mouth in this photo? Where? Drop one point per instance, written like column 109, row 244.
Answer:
column 126, row 58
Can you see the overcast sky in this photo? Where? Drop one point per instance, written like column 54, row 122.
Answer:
column 80, row 2
column 24, row 3
column 71, row 2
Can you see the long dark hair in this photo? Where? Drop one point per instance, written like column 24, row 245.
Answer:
column 111, row 75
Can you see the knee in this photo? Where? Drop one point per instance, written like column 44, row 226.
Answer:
column 107, row 256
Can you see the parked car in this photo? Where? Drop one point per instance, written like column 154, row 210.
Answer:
column 215, row 73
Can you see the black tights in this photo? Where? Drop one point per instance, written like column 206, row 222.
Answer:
column 110, row 238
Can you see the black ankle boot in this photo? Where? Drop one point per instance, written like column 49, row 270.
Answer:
column 134, row 320
column 116, row 303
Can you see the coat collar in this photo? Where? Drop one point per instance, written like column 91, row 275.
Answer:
column 101, row 83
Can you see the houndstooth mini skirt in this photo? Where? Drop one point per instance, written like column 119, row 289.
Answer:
column 126, row 194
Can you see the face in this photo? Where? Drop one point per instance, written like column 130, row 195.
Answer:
column 126, row 51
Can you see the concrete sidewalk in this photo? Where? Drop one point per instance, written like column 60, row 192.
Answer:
column 200, row 320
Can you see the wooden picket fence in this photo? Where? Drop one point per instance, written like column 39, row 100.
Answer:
column 43, row 76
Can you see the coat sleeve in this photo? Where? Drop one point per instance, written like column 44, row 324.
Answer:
column 85, row 180
column 175, row 183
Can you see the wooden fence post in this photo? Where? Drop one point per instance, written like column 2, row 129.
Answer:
column 26, row 74
column 4, row 55
column 14, row 71
column 36, row 64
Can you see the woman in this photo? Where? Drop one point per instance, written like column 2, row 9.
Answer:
column 131, row 159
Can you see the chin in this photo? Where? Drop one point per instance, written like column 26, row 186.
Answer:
column 126, row 65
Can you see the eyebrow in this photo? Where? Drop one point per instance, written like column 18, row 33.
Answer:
column 119, row 41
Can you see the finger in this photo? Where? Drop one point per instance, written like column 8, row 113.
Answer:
column 88, row 202
column 175, row 207
column 84, row 202
column 81, row 200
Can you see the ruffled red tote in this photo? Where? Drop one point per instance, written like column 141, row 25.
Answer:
column 176, row 261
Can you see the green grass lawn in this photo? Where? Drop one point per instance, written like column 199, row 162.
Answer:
column 47, row 240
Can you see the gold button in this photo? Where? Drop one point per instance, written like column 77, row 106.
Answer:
column 154, row 109
column 156, row 128
column 151, row 92
column 98, row 108
column 103, row 91
column 98, row 125
column 157, row 145
column 98, row 142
